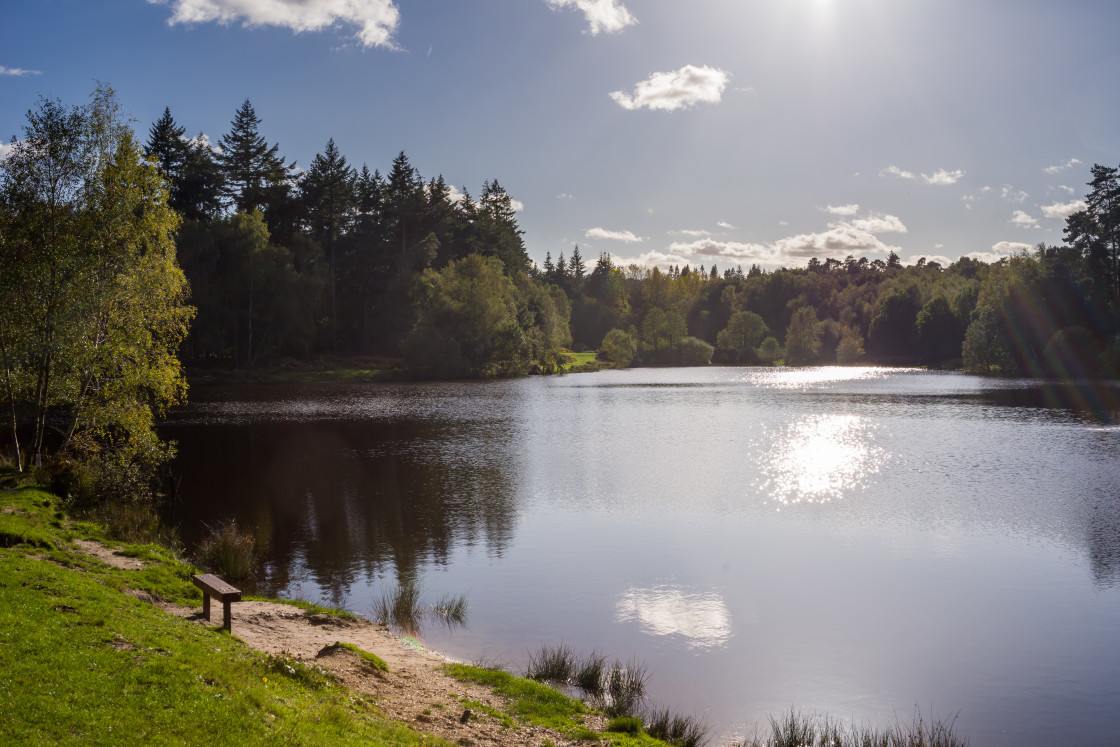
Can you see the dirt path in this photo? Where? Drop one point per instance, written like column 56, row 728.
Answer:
column 415, row 690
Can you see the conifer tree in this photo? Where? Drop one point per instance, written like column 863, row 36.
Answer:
column 253, row 168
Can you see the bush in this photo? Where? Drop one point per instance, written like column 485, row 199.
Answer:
column 618, row 347
column 692, row 351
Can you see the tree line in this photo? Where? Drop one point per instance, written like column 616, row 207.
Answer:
column 288, row 263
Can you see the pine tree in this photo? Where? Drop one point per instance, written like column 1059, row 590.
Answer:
column 328, row 195
column 167, row 144
column 576, row 267
column 253, row 168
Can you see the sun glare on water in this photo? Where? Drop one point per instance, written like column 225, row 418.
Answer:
column 819, row 458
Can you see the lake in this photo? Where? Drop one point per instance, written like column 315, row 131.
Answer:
column 856, row 541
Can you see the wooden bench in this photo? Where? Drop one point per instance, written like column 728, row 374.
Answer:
column 212, row 586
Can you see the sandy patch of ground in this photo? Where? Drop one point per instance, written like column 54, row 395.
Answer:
column 415, row 690
column 108, row 555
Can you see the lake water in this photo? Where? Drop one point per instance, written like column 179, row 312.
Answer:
column 842, row 540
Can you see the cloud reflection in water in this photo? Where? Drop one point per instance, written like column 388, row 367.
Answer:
column 700, row 617
column 819, row 458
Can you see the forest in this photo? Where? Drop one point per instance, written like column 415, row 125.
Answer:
column 121, row 258
column 286, row 263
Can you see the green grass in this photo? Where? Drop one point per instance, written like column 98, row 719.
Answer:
column 531, row 702
column 576, row 362
column 80, row 661
column 373, row 660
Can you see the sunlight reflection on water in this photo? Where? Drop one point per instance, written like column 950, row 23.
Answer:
column 801, row 378
column 700, row 617
column 820, row 458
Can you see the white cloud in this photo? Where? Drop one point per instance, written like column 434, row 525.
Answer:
column 725, row 225
column 942, row 178
column 6, row 150
column 1000, row 250
column 1011, row 194
column 1064, row 209
column 1067, row 190
column 842, row 209
column 1061, row 167
column 1023, row 220
column 694, row 232
column 938, row 258
column 602, row 15
column 376, row 20
column 602, row 233
column 895, row 171
column 676, row 90
column 17, row 71
column 1008, row 248
column 877, row 223
column 563, row 196
column 516, row 206
column 839, row 241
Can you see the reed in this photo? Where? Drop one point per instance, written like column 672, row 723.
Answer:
column 794, row 729
column 551, row 665
column 676, row 729
column 228, row 551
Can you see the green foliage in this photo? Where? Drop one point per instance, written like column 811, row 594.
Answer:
column 850, row 350
column 769, row 352
column 744, row 332
column 802, row 337
column 93, row 301
column 938, row 331
column 619, row 348
column 467, row 323
column 692, row 351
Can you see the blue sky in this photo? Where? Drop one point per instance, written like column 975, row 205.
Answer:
column 660, row 131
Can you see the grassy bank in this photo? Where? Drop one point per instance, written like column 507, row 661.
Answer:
column 85, row 656
column 82, row 660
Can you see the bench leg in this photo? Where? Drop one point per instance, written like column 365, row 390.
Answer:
column 227, row 617
column 206, row 605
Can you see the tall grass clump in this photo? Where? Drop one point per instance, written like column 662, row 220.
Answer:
column 589, row 676
column 451, row 609
column 625, row 688
column 228, row 551
column 551, row 665
column 399, row 608
column 677, row 730
column 797, row 730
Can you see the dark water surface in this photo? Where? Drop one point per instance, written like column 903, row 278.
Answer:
column 854, row 541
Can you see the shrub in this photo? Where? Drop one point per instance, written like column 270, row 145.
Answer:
column 618, row 347
column 692, row 351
